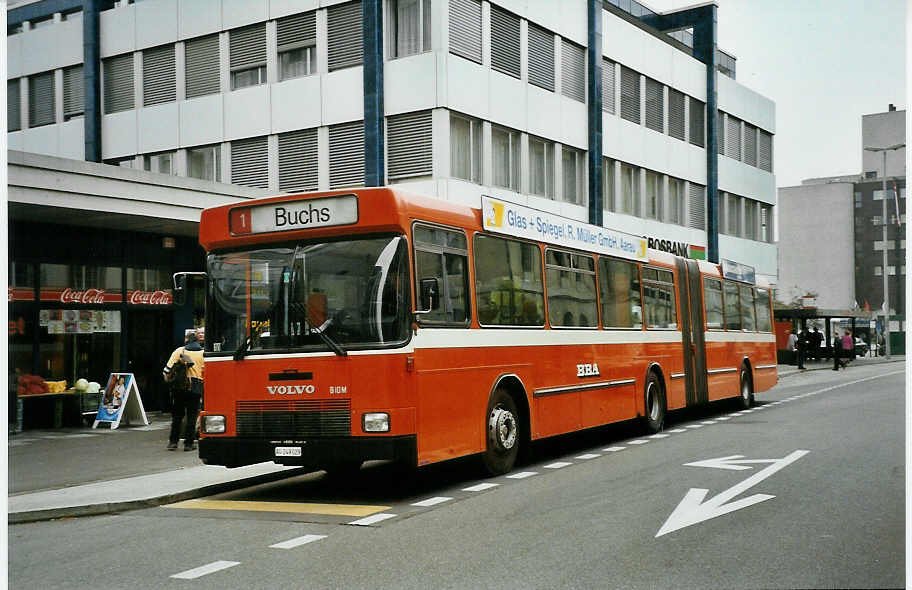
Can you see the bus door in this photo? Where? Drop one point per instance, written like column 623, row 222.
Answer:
column 692, row 331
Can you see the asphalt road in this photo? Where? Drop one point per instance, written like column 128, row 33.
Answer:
column 811, row 495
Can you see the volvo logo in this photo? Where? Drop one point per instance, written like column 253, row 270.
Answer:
column 290, row 389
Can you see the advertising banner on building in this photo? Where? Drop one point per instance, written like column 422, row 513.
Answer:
column 524, row 222
column 121, row 400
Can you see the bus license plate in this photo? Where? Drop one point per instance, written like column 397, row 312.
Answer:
column 288, row 451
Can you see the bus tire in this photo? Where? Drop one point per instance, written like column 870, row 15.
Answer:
column 746, row 399
column 502, row 433
column 654, row 397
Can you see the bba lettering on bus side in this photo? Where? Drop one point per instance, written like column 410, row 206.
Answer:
column 305, row 214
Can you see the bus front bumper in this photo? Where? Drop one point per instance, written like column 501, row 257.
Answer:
column 316, row 453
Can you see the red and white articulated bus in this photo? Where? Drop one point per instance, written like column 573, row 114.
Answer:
column 369, row 324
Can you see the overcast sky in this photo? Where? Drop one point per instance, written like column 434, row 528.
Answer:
column 825, row 63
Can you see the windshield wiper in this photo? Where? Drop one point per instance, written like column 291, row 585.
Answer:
column 329, row 340
column 241, row 352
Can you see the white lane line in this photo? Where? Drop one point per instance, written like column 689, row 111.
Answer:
column 613, row 449
column 372, row 519
column 58, row 436
column 694, row 426
column 660, row 435
column 203, row 570
column 522, row 475
column 480, row 487
column 724, row 418
column 747, row 411
column 708, row 422
column 589, row 456
column 432, row 501
column 558, row 465
column 677, row 431
column 639, row 441
column 297, row 542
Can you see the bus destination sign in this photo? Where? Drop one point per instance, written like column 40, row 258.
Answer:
column 524, row 222
column 292, row 215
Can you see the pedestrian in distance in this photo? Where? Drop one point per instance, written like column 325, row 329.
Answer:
column 837, row 345
column 848, row 348
column 184, row 374
column 792, row 342
column 802, row 346
column 816, row 339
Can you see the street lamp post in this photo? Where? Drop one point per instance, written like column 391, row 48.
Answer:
column 885, row 221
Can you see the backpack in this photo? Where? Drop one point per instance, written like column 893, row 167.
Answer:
column 178, row 377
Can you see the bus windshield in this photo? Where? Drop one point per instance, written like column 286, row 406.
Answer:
column 310, row 296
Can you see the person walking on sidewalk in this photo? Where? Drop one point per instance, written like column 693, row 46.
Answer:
column 837, row 346
column 186, row 393
column 848, row 348
column 802, row 347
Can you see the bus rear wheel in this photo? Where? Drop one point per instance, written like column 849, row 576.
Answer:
column 502, row 434
column 746, row 399
column 655, row 403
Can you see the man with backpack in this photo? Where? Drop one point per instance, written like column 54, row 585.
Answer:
column 184, row 375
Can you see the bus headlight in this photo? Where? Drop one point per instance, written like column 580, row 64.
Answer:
column 375, row 422
column 213, row 424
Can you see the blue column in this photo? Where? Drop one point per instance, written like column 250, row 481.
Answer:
column 705, row 42
column 594, row 110
column 91, row 77
column 374, row 165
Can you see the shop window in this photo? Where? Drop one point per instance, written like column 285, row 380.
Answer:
column 147, row 279
column 21, row 333
column 78, row 344
column 21, row 281
column 79, row 276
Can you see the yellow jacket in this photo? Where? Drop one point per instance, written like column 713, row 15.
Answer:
column 195, row 370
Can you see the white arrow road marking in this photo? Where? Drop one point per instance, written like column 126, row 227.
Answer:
column 732, row 462
column 692, row 509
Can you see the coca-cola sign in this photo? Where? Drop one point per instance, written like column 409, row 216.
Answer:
column 150, row 298
column 87, row 296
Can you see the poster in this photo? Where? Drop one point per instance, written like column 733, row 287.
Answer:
column 121, row 401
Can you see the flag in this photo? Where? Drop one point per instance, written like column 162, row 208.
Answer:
column 697, row 252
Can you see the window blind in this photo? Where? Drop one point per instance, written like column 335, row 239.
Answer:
column 697, row 122
column 346, row 155
column 720, row 131
column 159, row 84
column 118, row 83
column 505, row 56
column 608, row 86
column 345, row 36
column 750, row 144
column 676, row 100
column 408, row 145
column 73, row 103
column 541, row 57
column 765, row 151
column 250, row 162
column 298, row 30
column 573, row 72
column 697, row 206
column 13, row 106
column 630, row 95
column 202, row 69
column 733, row 138
column 248, row 47
column 298, row 160
column 41, row 99
column 655, row 106
column 465, row 29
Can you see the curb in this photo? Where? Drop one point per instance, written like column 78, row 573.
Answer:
column 783, row 375
column 112, row 507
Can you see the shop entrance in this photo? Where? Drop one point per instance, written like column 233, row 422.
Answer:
column 149, row 346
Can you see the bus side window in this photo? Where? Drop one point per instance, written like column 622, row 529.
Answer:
column 712, row 295
column 509, row 290
column 732, row 307
column 659, row 299
column 747, row 308
column 442, row 255
column 764, row 322
column 619, row 282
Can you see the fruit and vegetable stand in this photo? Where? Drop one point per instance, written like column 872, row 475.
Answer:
column 83, row 398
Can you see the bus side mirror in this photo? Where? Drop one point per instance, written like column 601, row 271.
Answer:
column 429, row 299
column 180, row 288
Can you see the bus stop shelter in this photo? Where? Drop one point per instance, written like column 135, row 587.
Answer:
column 787, row 318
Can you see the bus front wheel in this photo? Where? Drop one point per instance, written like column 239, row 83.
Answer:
column 502, row 433
column 655, row 403
column 747, row 390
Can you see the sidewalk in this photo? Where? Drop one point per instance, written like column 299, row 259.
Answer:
column 80, row 471
column 789, row 370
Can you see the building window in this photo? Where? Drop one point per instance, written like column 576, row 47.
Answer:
column 298, row 160
column 655, row 106
column 733, row 138
column 505, row 154
column 162, row 163
column 878, row 271
column 13, row 106
column 573, row 175
column 248, row 56
column 609, row 193
column 608, row 86
column 858, row 200
column 541, row 167
column 346, row 154
column 630, row 190
column 676, row 102
column 159, row 84
column 766, row 220
column 296, row 39
column 720, row 132
column 750, row 144
column 465, row 29
column 409, row 146
column 697, row 216
column 250, row 162
column 202, row 68
column 41, row 100
column 505, row 55
column 675, row 212
column 733, row 214
column 72, row 92
column 697, row 122
column 344, row 23
column 465, row 148
column 541, row 57
column 750, row 219
column 205, row 163
column 573, row 71
column 118, row 83
column 630, row 95
column 878, row 195
column 653, row 195
column 765, row 151
column 409, row 27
